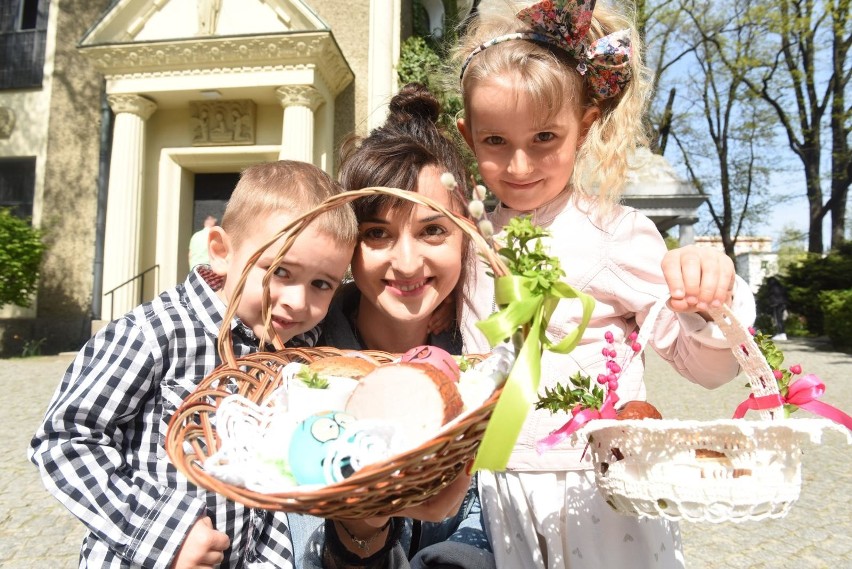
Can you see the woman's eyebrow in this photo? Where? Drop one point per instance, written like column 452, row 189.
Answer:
column 431, row 218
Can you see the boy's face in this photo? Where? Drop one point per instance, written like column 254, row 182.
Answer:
column 301, row 287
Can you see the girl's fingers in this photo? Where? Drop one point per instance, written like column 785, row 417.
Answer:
column 698, row 278
column 724, row 289
column 673, row 275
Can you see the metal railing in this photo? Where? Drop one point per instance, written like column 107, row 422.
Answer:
column 140, row 277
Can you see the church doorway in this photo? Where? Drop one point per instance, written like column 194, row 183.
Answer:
column 211, row 193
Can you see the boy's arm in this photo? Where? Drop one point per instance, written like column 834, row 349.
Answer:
column 107, row 404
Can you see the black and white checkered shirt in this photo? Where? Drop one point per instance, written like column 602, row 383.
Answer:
column 100, row 450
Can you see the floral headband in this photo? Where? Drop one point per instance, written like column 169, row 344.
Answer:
column 564, row 24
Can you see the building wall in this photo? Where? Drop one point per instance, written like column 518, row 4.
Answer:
column 349, row 28
column 754, row 267
column 60, row 125
column 745, row 243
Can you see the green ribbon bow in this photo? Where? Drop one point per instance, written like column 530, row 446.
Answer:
column 522, row 309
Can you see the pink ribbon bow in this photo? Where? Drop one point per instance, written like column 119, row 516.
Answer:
column 803, row 393
column 607, row 411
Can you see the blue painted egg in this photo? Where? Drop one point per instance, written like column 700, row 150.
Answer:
column 310, row 445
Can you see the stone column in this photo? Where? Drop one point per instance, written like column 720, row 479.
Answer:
column 686, row 230
column 383, row 54
column 297, row 131
column 124, row 202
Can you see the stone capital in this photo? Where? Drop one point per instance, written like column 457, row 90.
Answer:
column 135, row 104
column 299, row 96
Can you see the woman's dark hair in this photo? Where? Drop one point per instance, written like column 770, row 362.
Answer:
column 394, row 154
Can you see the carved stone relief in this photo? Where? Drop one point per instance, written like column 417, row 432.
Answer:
column 7, row 122
column 222, row 122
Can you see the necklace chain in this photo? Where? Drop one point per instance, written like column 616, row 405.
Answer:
column 364, row 544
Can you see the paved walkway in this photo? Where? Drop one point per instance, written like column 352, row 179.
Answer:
column 37, row 532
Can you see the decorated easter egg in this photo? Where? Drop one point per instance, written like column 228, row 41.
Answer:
column 437, row 357
column 365, row 442
column 311, row 443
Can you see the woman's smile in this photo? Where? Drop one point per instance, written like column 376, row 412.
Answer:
column 408, row 288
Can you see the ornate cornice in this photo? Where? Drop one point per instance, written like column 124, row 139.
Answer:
column 135, row 104
column 200, row 56
column 299, row 95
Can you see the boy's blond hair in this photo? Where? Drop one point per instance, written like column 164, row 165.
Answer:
column 549, row 77
column 290, row 186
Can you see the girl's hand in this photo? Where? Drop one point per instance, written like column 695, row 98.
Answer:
column 698, row 277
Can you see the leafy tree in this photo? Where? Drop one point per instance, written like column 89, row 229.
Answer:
column 795, row 36
column 661, row 24
column 790, row 248
column 794, row 56
column 422, row 59
column 21, row 250
column 722, row 132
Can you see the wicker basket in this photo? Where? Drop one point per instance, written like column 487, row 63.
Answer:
column 404, row 480
column 712, row 471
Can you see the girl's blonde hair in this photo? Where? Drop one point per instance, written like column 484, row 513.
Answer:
column 287, row 186
column 548, row 76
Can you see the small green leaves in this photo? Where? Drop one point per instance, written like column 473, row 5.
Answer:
column 312, row 379
column 526, row 256
column 580, row 391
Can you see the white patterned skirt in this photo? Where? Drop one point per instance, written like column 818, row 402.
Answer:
column 557, row 520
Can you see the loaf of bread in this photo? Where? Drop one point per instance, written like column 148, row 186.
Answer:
column 417, row 398
column 637, row 410
column 342, row 366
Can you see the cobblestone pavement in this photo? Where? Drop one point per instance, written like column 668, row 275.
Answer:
column 37, row 532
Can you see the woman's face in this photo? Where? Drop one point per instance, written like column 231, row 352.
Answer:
column 409, row 260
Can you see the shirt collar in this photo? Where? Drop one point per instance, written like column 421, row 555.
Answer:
column 210, row 310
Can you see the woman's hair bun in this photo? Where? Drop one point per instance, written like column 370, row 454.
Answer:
column 414, row 102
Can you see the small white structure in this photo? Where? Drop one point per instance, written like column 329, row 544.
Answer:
column 754, row 259
column 655, row 189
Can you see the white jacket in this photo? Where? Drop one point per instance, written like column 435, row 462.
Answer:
column 618, row 263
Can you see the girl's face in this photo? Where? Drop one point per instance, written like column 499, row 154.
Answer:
column 524, row 161
column 409, row 260
column 302, row 286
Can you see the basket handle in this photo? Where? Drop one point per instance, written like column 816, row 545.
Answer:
column 756, row 368
column 745, row 350
column 295, row 227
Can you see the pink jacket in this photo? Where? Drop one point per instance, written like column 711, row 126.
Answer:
column 617, row 262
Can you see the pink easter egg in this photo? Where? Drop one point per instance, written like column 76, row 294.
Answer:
column 437, row 357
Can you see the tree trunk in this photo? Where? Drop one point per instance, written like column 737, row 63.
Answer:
column 815, row 206
column 841, row 154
